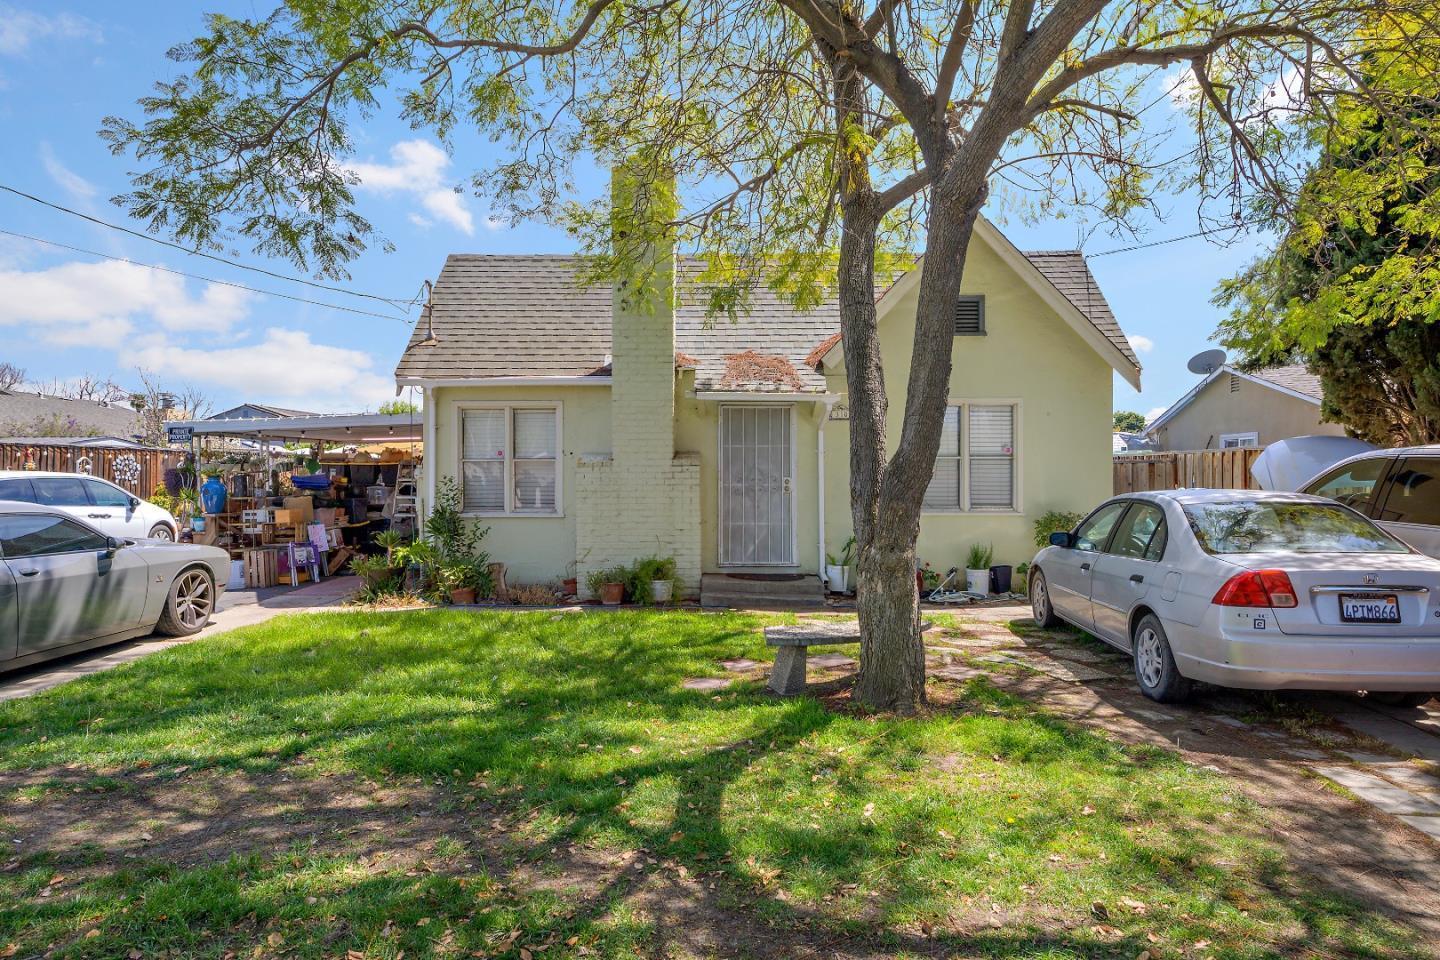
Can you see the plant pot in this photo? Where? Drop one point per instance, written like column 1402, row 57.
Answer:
column 661, row 590
column 570, row 586
column 835, row 577
column 374, row 578
column 977, row 581
column 612, row 594
column 461, row 596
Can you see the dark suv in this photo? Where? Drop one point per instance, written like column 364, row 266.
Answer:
column 1398, row 489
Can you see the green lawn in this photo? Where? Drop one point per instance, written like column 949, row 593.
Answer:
column 985, row 828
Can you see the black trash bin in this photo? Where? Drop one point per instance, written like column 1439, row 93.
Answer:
column 1000, row 578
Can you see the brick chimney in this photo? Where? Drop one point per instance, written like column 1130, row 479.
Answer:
column 642, row 319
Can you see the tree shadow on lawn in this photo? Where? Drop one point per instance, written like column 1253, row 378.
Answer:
column 840, row 828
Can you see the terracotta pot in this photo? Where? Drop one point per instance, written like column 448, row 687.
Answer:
column 570, row 585
column 612, row 594
column 462, row 595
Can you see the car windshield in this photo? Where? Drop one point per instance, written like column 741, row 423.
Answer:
column 1279, row 526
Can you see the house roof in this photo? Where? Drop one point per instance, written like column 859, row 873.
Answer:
column 1291, row 379
column 265, row 410
column 22, row 412
column 525, row 316
column 96, row 441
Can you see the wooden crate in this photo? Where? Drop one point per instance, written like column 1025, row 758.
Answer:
column 261, row 569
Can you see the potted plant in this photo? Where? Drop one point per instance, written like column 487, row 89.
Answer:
column 374, row 572
column 570, row 585
column 458, row 580
column 608, row 586
column 836, row 570
column 652, row 580
column 977, row 568
column 392, row 542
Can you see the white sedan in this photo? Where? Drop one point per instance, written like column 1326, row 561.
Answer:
column 1250, row 589
column 112, row 510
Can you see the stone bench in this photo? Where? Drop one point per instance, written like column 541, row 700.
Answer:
column 791, row 645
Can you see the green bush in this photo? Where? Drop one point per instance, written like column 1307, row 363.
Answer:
column 980, row 557
column 644, row 573
column 1054, row 521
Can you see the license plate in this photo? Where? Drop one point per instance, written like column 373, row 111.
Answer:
column 1369, row 608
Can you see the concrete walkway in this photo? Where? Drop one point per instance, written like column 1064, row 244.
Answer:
column 238, row 608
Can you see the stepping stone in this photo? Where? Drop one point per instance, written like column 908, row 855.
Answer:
column 1070, row 673
column 1409, row 777
column 956, row 672
column 1385, row 797
column 1368, row 759
column 1235, row 722
column 1308, row 754
column 1430, row 826
column 707, row 683
column 1084, row 656
column 831, row 661
column 741, row 665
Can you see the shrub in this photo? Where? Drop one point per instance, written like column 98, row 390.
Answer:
column 645, row 572
column 980, row 557
column 1053, row 521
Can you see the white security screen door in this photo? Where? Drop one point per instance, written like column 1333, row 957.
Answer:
column 757, row 517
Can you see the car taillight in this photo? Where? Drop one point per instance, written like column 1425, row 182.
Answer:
column 1257, row 588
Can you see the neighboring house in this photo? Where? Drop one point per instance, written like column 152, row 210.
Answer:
column 587, row 432
column 114, row 443
column 1231, row 408
column 37, row 415
column 258, row 411
column 1122, row 441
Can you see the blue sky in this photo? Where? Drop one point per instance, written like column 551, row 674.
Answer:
column 65, row 66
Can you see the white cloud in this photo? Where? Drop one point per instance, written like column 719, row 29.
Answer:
column 1181, row 88
column 418, row 168
column 67, row 179
column 21, row 28
column 1140, row 344
column 100, row 304
column 1153, row 413
column 284, row 367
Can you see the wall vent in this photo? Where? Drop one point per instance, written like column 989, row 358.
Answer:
column 970, row 316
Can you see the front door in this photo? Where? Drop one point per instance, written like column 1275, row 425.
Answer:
column 757, row 497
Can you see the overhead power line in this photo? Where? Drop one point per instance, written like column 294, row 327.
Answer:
column 393, row 301
column 196, row 276
column 1168, row 240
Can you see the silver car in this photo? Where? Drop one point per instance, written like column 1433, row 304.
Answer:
column 1251, row 589
column 65, row 586
column 1398, row 489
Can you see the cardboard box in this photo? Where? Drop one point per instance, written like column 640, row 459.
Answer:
column 329, row 516
column 287, row 517
column 305, row 506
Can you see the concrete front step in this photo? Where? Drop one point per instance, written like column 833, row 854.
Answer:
column 722, row 590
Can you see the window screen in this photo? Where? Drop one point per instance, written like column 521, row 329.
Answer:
column 944, row 490
column 535, row 460
column 992, row 457
column 483, row 460
column 510, row 460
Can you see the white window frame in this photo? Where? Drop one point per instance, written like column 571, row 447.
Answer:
column 1253, row 438
column 1017, row 488
column 509, row 409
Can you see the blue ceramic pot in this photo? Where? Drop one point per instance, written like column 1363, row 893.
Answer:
column 212, row 495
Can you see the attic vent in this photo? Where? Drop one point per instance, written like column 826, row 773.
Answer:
column 970, row 316
column 1234, row 383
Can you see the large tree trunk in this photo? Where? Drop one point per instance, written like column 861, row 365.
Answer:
column 892, row 654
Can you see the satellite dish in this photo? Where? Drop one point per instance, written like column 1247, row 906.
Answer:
column 1206, row 362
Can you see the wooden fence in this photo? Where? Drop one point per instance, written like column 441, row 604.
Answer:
column 152, row 463
column 1219, row 469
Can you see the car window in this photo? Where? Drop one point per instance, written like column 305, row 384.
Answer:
column 1414, row 493
column 1352, row 483
column 1092, row 534
column 104, row 495
column 60, row 492
column 17, row 488
column 38, row 534
column 1279, row 526
column 1137, row 532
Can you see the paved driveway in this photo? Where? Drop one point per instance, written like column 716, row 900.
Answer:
column 238, row 608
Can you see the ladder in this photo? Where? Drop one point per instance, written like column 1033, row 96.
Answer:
column 406, row 496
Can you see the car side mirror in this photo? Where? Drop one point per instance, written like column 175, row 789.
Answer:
column 1062, row 538
column 134, row 503
column 112, row 544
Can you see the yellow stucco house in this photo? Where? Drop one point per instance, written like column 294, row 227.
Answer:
column 586, row 434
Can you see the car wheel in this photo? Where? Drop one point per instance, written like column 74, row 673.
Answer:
column 189, row 604
column 1040, row 601
column 162, row 531
column 1155, row 668
column 1402, row 699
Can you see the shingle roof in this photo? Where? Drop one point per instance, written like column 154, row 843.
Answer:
column 525, row 316
column 22, row 413
column 1293, row 377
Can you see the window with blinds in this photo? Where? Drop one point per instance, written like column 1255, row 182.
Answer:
column 975, row 467
column 970, row 316
column 509, row 460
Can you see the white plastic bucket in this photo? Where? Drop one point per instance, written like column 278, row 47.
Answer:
column 237, row 575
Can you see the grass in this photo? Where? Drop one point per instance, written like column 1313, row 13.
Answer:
column 985, row 826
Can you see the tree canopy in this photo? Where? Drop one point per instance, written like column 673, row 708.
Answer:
column 1128, row 421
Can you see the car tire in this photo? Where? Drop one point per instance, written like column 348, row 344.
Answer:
column 1040, row 605
column 162, row 531
column 1403, row 699
column 188, row 604
column 1155, row 669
